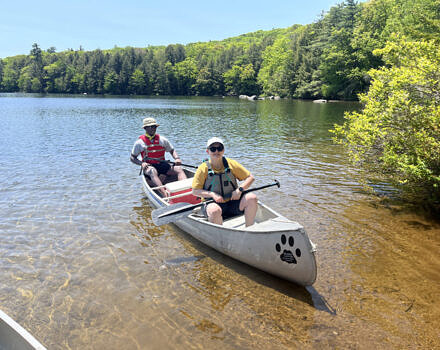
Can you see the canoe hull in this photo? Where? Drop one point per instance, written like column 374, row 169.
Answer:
column 274, row 244
column 264, row 250
column 13, row 336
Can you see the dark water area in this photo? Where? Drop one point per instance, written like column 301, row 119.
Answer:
column 82, row 266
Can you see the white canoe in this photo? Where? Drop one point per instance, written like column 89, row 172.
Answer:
column 15, row 337
column 273, row 244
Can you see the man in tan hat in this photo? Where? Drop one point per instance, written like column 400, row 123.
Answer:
column 216, row 178
column 152, row 148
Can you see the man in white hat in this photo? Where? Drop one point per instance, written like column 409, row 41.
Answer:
column 216, row 178
column 152, row 148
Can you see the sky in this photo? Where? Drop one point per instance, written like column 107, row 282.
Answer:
column 99, row 24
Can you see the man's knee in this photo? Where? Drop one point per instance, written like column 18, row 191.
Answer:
column 214, row 210
column 249, row 199
column 151, row 171
column 176, row 170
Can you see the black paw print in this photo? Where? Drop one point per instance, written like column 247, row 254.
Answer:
column 287, row 255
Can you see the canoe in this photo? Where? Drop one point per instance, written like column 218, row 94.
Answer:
column 273, row 244
column 15, row 337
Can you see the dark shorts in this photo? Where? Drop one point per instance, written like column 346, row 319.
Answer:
column 229, row 209
column 162, row 168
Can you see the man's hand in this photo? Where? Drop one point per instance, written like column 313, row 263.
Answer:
column 236, row 194
column 177, row 162
column 217, row 198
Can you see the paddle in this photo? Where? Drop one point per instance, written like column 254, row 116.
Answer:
column 166, row 161
column 175, row 212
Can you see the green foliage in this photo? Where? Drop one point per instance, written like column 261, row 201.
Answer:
column 304, row 61
column 137, row 82
column 339, row 64
column 272, row 75
column 186, row 74
column 398, row 132
column 241, row 80
column 329, row 58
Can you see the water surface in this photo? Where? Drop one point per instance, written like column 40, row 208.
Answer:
column 83, row 267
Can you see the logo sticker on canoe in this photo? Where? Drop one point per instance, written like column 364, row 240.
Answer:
column 286, row 248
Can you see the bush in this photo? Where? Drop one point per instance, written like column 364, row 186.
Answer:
column 397, row 134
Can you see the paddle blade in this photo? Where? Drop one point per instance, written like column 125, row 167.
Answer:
column 172, row 213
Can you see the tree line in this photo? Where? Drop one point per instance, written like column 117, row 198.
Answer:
column 329, row 58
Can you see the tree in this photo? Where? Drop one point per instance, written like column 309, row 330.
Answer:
column 339, row 65
column 1, row 75
column 207, row 82
column 272, row 75
column 397, row 135
column 186, row 74
column 25, row 79
column 36, row 72
column 175, row 53
column 241, row 80
column 137, row 82
column 377, row 20
column 111, row 85
column 53, row 72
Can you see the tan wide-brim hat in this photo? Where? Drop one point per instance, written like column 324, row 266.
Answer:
column 149, row 122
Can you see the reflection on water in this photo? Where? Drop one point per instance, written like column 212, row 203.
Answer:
column 83, row 266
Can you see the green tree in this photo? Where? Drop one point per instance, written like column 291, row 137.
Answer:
column 272, row 75
column 36, row 69
column 186, row 74
column 53, row 72
column 379, row 19
column 207, row 82
column 111, row 85
column 11, row 72
column 36, row 85
column 175, row 53
column 137, row 82
column 397, row 135
column 241, row 80
column 25, row 79
column 302, row 70
column 339, row 65
column 1, row 75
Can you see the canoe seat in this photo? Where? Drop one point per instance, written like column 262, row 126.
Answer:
column 181, row 191
column 234, row 222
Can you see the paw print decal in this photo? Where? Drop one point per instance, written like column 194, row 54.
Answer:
column 287, row 255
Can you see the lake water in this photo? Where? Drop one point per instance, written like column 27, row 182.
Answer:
column 83, row 267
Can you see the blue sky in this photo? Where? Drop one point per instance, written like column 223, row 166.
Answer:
column 102, row 24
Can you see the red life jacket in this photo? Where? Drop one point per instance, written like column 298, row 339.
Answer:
column 153, row 149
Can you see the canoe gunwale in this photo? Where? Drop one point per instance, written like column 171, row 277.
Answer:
column 14, row 336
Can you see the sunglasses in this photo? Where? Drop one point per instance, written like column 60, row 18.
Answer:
column 218, row 148
column 151, row 126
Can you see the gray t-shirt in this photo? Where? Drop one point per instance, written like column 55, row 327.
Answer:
column 140, row 146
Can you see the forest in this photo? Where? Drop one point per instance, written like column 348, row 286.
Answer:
column 329, row 59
